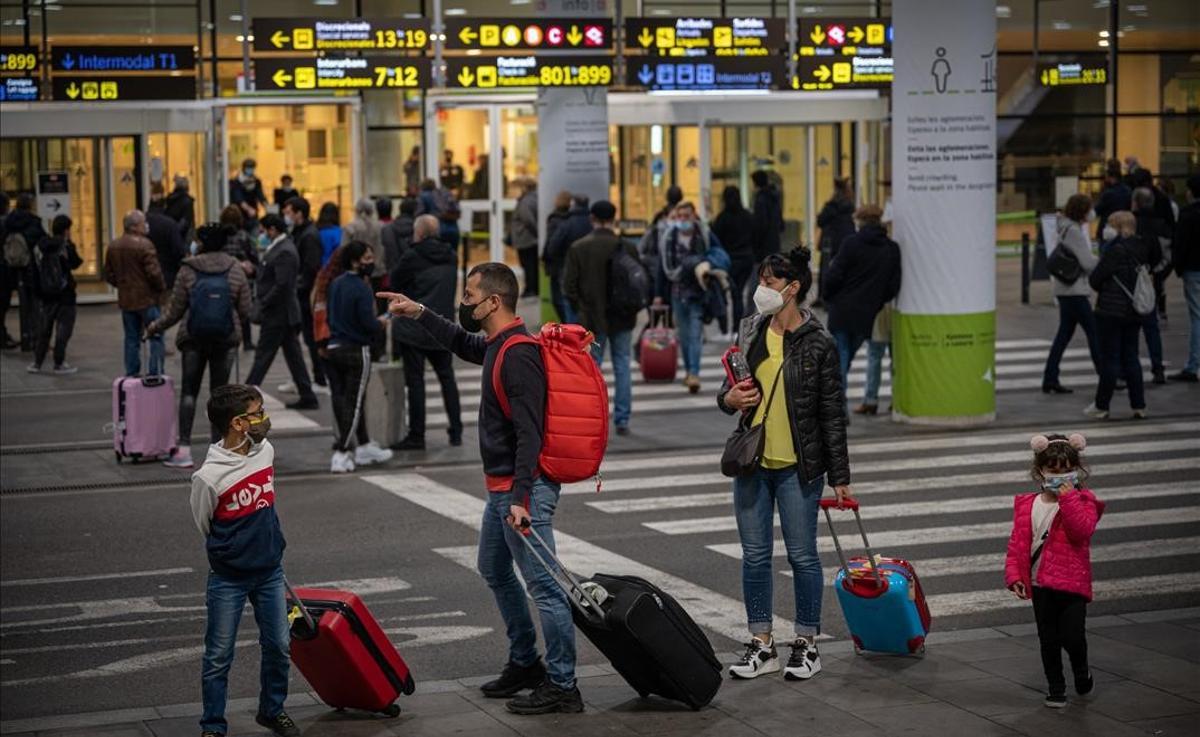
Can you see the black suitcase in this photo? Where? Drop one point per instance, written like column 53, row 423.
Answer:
column 646, row 635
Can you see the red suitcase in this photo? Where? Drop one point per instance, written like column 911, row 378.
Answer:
column 344, row 654
column 658, row 348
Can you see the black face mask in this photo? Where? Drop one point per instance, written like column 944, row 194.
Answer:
column 466, row 317
column 366, row 269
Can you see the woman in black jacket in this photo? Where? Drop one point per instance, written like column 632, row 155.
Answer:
column 1117, row 324
column 734, row 228
column 795, row 365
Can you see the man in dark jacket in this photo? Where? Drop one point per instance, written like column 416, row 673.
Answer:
column 425, row 273
column 1157, row 237
column 397, row 235
column 768, row 215
column 836, row 221
column 246, row 191
column 168, row 244
column 57, row 300
column 863, row 277
column 25, row 222
column 181, row 207
column 1185, row 259
column 518, row 496
column 277, row 310
column 577, row 224
column 131, row 265
column 1115, row 196
column 307, row 239
column 588, row 289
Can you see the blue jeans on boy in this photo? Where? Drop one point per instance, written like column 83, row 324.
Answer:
column 876, row 349
column 689, row 319
column 135, row 322
column 500, row 546
column 754, row 501
column 225, row 600
column 619, row 346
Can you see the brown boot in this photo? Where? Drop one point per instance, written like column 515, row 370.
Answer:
column 866, row 409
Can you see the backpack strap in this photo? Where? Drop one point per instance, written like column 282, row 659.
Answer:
column 497, row 383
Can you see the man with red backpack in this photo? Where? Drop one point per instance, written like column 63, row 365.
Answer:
column 524, row 461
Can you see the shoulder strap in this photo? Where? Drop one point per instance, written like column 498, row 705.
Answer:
column 774, row 386
column 497, row 383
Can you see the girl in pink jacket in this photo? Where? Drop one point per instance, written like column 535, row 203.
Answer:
column 1049, row 560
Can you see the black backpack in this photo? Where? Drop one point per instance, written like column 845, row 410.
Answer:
column 628, row 283
column 51, row 271
column 210, row 306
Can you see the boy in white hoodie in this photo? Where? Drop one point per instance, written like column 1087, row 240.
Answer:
column 233, row 503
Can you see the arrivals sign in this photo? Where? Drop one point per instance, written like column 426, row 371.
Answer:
column 117, row 88
column 501, row 34
column 111, row 59
column 704, row 36
column 1066, row 75
column 529, row 71
column 342, row 73
column 706, row 74
column 346, row 34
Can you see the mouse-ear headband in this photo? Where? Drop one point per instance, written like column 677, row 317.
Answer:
column 1041, row 442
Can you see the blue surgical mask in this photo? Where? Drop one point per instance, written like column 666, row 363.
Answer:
column 249, row 171
column 194, row 248
column 685, row 226
column 1054, row 483
column 263, row 240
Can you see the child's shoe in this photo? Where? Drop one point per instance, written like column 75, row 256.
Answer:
column 1055, row 700
column 1084, row 686
column 182, row 458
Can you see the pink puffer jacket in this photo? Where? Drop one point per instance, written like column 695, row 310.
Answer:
column 1065, row 564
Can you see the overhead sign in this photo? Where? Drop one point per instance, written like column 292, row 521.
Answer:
column 19, row 89
column 21, row 60
column 705, row 36
column 75, row 59
column 347, row 34
column 717, row 73
column 1065, row 75
column 529, row 71
column 855, row 72
column 845, row 37
column 342, row 73
column 501, row 34
column 53, row 194
column 113, row 89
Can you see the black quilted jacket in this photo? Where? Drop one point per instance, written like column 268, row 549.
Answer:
column 812, row 380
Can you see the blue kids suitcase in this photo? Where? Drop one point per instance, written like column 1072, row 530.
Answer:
column 884, row 606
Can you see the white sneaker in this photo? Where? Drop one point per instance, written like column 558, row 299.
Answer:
column 321, row 389
column 64, row 369
column 1095, row 412
column 804, row 663
column 287, row 387
column 342, row 462
column 759, row 659
column 370, row 454
column 33, row 368
column 182, row 459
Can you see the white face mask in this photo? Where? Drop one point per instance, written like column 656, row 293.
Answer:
column 1108, row 234
column 1091, row 215
column 767, row 300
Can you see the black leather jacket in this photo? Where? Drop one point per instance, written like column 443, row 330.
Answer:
column 812, row 382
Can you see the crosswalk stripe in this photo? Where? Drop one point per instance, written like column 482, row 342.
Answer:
column 881, row 542
column 924, row 509
column 972, row 602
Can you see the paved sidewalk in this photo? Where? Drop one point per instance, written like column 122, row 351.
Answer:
column 971, row 682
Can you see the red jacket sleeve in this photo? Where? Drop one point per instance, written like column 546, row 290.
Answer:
column 1016, row 563
column 1079, row 516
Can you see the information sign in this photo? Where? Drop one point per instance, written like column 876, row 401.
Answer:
column 705, row 36
column 113, row 59
column 342, row 73
column 529, row 71
column 502, row 34
column 345, row 34
column 711, row 74
column 123, row 87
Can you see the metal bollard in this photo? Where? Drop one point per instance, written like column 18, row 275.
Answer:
column 1024, row 268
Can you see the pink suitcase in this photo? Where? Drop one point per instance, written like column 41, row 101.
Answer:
column 145, row 426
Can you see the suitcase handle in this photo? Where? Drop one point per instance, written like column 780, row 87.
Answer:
column 308, row 618
column 850, row 505
column 587, row 605
column 660, row 313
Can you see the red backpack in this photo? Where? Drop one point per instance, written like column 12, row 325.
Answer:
column 576, row 429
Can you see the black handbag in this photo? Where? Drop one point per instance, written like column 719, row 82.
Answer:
column 744, row 448
column 1062, row 264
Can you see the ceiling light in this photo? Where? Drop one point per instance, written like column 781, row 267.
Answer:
column 455, row 11
column 1103, row 43
column 1136, row 8
column 1003, row 11
column 473, row 52
column 520, row 2
column 1061, row 25
column 236, row 18
column 1103, row 34
column 239, row 38
column 660, row 11
column 325, row 2
column 1129, row 27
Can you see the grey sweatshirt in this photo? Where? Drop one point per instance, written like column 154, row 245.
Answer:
column 1073, row 237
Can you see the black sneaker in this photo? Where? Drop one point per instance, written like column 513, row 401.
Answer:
column 1055, row 700
column 514, row 679
column 1189, row 377
column 456, row 440
column 281, row 724
column 546, row 699
column 1160, row 377
column 410, row 442
column 1084, row 686
column 310, row 403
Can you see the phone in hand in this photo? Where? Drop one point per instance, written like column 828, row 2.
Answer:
column 737, row 368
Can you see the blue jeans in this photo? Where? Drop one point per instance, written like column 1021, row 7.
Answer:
column 754, row 501
column 135, row 324
column 226, row 598
column 875, row 352
column 499, row 547
column 1191, row 292
column 619, row 346
column 1072, row 310
column 689, row 316
column 847, row 344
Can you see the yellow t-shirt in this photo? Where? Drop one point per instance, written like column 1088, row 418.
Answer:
column 778, row 451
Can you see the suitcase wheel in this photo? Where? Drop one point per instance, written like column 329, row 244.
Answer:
column 392, row 711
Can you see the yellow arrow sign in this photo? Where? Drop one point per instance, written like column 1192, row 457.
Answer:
column 281, row 78
column 822, row 73
column 645, row 38
column 467, row 36
column 817, row 35
column 278, row 39
column 465, row 78
column 574, row 36
column 1045, row 78
column 73, row 91
column 856, row 34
